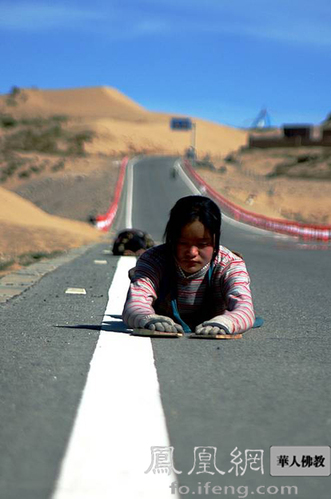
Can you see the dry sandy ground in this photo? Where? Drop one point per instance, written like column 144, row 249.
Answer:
column 25, row 231
column 83, row 188
column 61, row 189
column 246, row 180
column 50, row 212
column 122, row 126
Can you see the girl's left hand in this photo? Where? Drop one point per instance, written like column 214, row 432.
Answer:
column 211, row 328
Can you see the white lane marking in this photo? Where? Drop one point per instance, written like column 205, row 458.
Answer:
column 120, row 416
column 75, row 291
column 185, row 178
column 129, row 195
column 100, row 262
column 229, row 220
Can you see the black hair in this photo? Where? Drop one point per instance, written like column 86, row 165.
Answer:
column 187, row 210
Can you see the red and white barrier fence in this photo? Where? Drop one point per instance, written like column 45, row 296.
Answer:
column 103, row 222
column 301, row 230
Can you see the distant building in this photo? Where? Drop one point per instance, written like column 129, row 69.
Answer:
column 301, row 132
column 326, row 137
column 293, row 135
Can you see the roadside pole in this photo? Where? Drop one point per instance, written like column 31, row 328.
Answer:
column 193, row 139
column 185, row 124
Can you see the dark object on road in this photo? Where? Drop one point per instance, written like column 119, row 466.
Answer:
column 190, row 153
column 132, row 242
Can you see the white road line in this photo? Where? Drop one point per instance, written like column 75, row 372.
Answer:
column 231, row 221
column 185, row 178
column 129, row 195
column 120, row 416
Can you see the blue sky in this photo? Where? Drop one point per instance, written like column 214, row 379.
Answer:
column 221, row 60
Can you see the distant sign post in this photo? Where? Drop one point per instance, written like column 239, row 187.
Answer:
column 184, row 124
column 181, row 124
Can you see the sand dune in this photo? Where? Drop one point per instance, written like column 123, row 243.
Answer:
column 24, row 227
column 113, row 137
column 16, row 210
column 121, row 125
column 80, row 102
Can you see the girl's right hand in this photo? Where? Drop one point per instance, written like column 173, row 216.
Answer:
column 160, row 323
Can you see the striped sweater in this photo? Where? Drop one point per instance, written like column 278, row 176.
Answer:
column 225, row 298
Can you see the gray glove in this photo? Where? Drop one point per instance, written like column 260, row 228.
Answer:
column 211, row 328
column 160, row 323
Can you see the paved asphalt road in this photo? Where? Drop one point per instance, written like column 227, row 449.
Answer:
column 269, row 389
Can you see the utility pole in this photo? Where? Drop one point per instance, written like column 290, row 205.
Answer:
column 184, row 124
column 193, row 140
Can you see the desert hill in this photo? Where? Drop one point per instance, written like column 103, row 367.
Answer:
column 120, row 125
column 92, row 102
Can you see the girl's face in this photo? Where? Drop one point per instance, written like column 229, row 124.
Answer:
column 194, row 247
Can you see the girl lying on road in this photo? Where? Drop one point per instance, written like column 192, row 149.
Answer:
column 190, row 283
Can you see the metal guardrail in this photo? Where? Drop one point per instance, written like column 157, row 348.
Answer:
column 304, row 231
